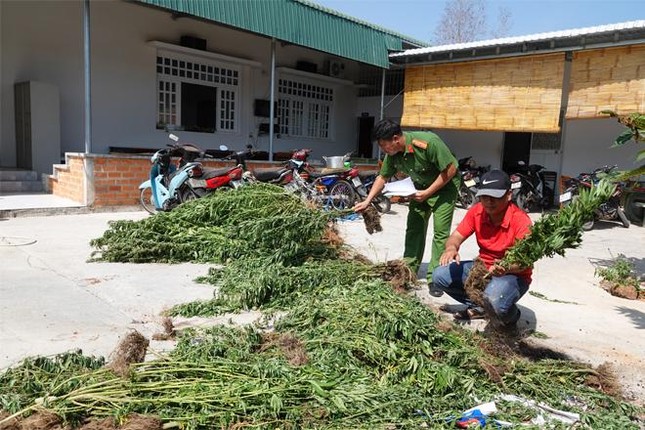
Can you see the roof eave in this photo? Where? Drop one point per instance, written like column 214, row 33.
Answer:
column 528, row 45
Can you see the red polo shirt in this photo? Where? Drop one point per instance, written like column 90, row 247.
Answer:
column 493, row 240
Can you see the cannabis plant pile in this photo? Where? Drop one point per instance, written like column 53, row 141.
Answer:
column 255, row 221
column 345, row 350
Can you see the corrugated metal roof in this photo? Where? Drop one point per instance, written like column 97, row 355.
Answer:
column 553, row 35
column 299, row 22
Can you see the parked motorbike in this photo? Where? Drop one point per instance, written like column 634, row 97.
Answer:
column 533, row 194
column 276, row 175
column 611, row 210
column 338, row 185
column 470, row 176
column 170, row 185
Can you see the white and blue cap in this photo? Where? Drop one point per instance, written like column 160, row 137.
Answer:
column 494, row 183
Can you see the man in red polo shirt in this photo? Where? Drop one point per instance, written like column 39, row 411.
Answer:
column 497, row 224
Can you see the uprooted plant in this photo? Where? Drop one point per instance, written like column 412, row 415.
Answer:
column 347, row 350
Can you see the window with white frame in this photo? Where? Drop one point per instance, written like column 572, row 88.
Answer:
column 196, row 94
column 304, row 109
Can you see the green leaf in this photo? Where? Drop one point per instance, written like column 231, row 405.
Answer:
column 623, row 138
column 641, row 155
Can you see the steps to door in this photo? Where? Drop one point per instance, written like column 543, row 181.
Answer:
column 19, row 181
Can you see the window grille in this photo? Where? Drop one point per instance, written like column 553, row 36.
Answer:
column 167, row 103
column 304, row 109
column 174, row 69
column 545, row 141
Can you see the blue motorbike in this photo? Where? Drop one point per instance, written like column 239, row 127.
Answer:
column 170, row 185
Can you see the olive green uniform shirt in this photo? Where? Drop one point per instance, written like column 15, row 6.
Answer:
column 422, row 165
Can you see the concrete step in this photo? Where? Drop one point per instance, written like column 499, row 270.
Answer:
column 18, row 175
column 20, row 186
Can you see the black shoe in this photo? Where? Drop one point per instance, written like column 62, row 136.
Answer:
column 434, row 290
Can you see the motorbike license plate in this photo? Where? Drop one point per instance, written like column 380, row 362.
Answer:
column 197, row 183
column 565, row 197
column 470, row 183
column 357, row 181
column 516, row 185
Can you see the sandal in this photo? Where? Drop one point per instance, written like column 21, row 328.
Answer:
column 470, row 314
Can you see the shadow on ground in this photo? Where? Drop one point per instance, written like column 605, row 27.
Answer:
column 637, row 317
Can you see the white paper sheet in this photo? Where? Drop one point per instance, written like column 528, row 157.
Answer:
column 404, row 188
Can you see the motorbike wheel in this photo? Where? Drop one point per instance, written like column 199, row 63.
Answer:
column 187, row 195
column 522, row 202
column 382, row 204
column 622, row 217
column 588, row 225
column 146, row 200
column 342, row 195
column 466, row 198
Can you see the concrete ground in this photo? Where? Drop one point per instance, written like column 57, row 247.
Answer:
column 52, row 299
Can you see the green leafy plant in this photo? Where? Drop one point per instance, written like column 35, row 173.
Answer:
column 635, row 123
column 620, row 272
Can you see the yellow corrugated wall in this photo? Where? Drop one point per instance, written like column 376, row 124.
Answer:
column 512, row 94
column 611, row 78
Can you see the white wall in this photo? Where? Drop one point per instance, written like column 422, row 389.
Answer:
column 484, row 146
column 42, row 40
column 393, row 107
column 1, row 86
column 587, row 146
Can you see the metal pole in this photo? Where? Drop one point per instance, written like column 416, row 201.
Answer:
column 86, row 64
column 382, row 110
column 271, row 98
column 564, row 104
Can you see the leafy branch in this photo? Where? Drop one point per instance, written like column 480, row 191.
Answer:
column 554, row 233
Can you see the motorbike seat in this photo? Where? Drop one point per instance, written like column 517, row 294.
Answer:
column 333, row 171
column 213, row 173
column 367, row 173
column 268, row 173
column 327, row 172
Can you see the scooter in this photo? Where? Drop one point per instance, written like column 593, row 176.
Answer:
column 170, row 185
column 611, row 210
column 470, row 175
column 533, row 192
column 280, row 175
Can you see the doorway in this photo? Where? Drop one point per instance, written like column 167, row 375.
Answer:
column 365, row 147
column 517, row 147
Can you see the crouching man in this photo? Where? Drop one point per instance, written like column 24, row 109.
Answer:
column 497, row 224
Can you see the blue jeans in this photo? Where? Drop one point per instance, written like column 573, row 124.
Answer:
column 502, row 292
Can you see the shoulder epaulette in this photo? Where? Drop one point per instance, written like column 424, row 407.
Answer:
column 420, row 143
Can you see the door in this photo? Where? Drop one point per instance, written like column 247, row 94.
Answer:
column 365, row 147
column 517, row 147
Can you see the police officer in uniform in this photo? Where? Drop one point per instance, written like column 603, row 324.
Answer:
column 426, row 159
